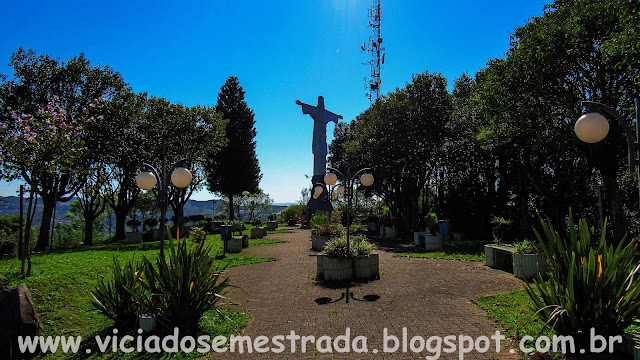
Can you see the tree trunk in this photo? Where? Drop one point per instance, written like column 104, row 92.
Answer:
column 88, row 230
column 231, row 214
column 121, row 218
column 524, row 207
column 178, row 212
column 48, row 204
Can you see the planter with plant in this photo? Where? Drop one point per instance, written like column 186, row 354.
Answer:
column 593, row 284
column 324, row 227
column 234, row 244
column 338, row 263
column 526, row 260
column 499, row 255
column 134, row 236
column 154, row 233
column 272, row 224
column 176, row 292
column 386, row 226
column 366, row 265
column 373, row 224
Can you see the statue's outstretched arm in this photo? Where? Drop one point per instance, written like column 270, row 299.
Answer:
column 306, row 108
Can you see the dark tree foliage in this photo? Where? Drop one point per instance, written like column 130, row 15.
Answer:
column 400, row 137
column 532, row 98
column 234, row 169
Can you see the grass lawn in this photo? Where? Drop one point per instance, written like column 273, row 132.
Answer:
column 513, row 313
column 515, row 318
column 470, row 250
column 61, row 283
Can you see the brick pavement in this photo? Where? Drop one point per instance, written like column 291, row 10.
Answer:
column 427, row 296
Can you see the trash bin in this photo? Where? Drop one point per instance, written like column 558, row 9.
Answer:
column 225, row 232
column 444, row 227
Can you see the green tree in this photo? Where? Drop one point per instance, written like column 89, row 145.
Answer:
column 555, row 61
column 234, row 169
column 255, row 204
column 120, row 139
column 175, row 132
column 400, row 137
column 92, row 201
column 74, row 86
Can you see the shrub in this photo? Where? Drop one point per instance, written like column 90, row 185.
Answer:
column 183, row 288
column 337, row 248
column 272, row 217
column 363, row 247
column 113, row 297
column 592, row 283
column 197, row 234
column 500, row 228
column 8, row 248
column 257, row 221
column 9, row 234
column 150, row 222
column 220, row 216
column 238, row 227
column 325, row 224
column 67, row 236
column 524, row 247
column 291, row 214
column 431, row 223
column 133, row 224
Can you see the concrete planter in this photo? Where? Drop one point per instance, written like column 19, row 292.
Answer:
column 337, row 269
column 135, row 237
column 234, row 245
column 146, row 323
column 418, row 237
column 272, row 225
column 499, row 256
column 525, row 266
column 320, row 266
column 245, row 241
column 374, row 227
column 257, row 233
column 390, row 232
column 264, row 230
column 318, row 242
column 366, row 267
column 433, row 242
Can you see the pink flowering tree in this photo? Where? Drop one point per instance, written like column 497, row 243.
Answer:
column 45, row 149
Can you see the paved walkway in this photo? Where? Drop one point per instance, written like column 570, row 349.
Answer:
column 426, row 296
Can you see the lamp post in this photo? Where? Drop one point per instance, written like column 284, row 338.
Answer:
column 147, row 180
column 592, row 127
column 366, row 179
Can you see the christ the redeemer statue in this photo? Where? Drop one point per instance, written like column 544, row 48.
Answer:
column 321, row 117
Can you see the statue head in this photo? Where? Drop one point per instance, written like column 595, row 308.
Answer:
column 320, row 101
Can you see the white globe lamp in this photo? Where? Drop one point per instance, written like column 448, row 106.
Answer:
column 366, row 179
column 592, row 127
column 146, row 180
column 181, row 177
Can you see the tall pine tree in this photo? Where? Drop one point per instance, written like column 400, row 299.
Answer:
column 234, row 169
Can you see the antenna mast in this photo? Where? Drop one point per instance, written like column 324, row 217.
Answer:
column 376, row 51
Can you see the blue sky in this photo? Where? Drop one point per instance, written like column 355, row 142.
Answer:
column 279, row 50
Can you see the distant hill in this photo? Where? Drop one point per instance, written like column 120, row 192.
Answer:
column 11, row 205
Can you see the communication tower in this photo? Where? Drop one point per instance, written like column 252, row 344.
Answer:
column 376, row 52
